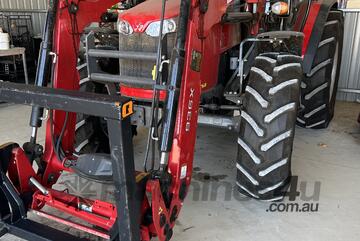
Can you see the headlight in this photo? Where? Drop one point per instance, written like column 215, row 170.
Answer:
column 124, row 27
column 153, row 29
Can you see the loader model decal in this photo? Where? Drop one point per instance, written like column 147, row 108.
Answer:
column 190, row 110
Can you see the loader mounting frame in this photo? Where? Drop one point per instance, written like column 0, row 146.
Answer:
column 18, row 166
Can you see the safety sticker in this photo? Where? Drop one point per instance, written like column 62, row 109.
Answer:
column 183, row 172
column 127, row 109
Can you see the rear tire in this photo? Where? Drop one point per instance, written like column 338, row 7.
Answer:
column 318, row 90
column 267, row 126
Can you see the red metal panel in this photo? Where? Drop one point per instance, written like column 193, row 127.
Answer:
column 101, row 214
column 309, row 25
column 138, row 93
column 142, row 15
column 20, row 171
column 159, row 210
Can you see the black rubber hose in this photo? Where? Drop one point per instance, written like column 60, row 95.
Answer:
column 155, row 99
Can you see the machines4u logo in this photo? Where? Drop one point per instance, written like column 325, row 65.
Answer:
column 302, row 197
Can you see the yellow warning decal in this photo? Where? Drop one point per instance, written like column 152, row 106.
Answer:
column 153, row 73
column 127, row 109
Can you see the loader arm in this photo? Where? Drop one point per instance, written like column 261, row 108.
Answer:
column 66, row 36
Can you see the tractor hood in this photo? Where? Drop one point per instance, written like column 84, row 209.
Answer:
column 141, row 16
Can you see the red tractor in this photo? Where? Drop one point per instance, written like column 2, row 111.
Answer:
column 253, row 66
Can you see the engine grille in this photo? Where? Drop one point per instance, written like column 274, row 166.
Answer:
column 141, row 42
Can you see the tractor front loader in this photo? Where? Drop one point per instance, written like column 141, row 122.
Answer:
column 252, row 66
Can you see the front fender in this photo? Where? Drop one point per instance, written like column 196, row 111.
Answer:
column 313, row 29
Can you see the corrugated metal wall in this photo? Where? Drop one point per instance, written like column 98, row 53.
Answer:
column 33, row 5
column 350, row 69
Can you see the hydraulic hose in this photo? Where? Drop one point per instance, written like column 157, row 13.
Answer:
column 155, row 99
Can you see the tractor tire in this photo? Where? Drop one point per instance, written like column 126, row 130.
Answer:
column 84, row 129
column 267, row 126
column 91, row 132
column 319, row 87
column 90, row 136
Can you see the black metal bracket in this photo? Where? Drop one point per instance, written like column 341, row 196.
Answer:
column 33, row 231
column 66, row 100
column 11, row 206
column 110, row 107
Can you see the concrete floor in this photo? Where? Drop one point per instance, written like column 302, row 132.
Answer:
column 331, row 157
